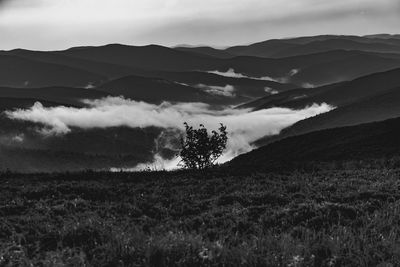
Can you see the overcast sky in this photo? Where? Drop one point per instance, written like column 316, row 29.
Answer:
column 58, row 24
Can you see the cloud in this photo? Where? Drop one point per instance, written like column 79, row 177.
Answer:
column 227, row 90
column 308, row 85
column 293, row 72
column 232, row 74
column 244, row 126
column 284, row 79
column 271, row 90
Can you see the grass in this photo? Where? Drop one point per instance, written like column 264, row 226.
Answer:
column 216, row 218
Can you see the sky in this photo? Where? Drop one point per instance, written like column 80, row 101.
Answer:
column 60, row 24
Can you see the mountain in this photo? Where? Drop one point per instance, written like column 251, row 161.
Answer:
column 205, row 50
column 10, row 103
column 151, row 57
column 111, row 71
column 344, row 69
column 378, row 140
column 284, row 70
column 262, row 49
column 368, row 99
column 21, row 72
column 339, row 94
column 338, row 43
column 355, row 90
column 61, row 95
column 285, row 99
column 278, row 48
column 243, row 86
column 378, row 107
column 315, row 69
column 100, row 64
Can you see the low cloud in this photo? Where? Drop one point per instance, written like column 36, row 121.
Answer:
column 293, row 72
column 308, row 85
column 90, row 86
column 229, row 73
column 271, row 90
column 232, row 74
column 244, row 126
column 283, row 79
column 227, row 90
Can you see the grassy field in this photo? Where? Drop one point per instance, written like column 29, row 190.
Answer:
column 214, row 218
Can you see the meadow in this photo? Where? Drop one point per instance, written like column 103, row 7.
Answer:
column 224, row 217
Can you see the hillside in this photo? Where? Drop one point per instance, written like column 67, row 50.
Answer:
column 279, row 48
column 281, row 69
column 205, row 50
column 339, row 94
column 143, row 57
column 344, row 69
column 89, row 66
column 105, row 69
column 62, row 95
column 339, row 43
column 361, row 142
column 243, row 86
column 21, row 72
column 375, row 108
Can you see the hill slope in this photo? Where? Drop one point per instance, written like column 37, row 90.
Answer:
column 105, row 69
column 339, row 94
column 62, row 95
column 367, row 141
column 279, row 48
column 21, row 72
column 282, row 69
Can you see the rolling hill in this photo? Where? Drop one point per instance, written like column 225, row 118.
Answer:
column 205, row 50
column 339, row 94
column 151, row 57
column 368, row 99
column 89, row 66
column 111, row 71
column 279, row 48
column 243, row 86
column 21, row 72
column 61, row 95
column 378, row 140
column 280, row 69
column 338, row 43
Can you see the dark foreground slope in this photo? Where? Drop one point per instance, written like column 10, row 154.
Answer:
column 215, row 218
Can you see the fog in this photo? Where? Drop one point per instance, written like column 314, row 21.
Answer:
column 244, row 125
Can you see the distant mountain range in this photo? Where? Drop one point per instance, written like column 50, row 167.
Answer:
column 279, row 48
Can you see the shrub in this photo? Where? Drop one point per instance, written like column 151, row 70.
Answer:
column 199, row 150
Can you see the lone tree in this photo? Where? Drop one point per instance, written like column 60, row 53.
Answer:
column 199, row 150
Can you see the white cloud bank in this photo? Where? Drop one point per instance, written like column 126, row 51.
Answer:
column 244, row 126
column 227, row 90
column 232, row 74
